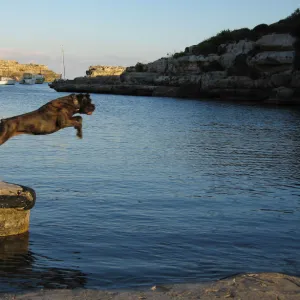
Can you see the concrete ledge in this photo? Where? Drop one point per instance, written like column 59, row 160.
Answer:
column 15, row 204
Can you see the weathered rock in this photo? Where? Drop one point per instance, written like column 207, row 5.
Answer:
column 183, row 65
column 208, row 79
column 283, row 93
column 273, row 58
column 274, row 81
column 138, row 78
column 295, row 82
column 241, row 47
column 94, row 71
column 233, row 50
column 227, row 59
column 176, row 80
column 281, row 79
column 238, row 82
column 187, row 68
column 279, row 42
column 158, row 66
column 109, row 79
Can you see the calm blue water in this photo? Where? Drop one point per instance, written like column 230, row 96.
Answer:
column 159, row 190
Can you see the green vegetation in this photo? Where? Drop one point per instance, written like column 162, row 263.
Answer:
column 178, row 54
column 139, row 67
column 212, row 45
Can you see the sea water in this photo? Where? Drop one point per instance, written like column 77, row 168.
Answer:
column 159, row 190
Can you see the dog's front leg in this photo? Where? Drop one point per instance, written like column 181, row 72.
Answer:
column 78, row 125
column 64, row 121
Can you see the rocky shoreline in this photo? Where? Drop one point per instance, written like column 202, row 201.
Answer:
column 267, row 286
column 260, row 71
column 258, row 65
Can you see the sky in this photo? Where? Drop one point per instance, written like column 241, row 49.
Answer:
column 121, row 32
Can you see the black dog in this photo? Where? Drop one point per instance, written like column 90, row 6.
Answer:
column 49, row 118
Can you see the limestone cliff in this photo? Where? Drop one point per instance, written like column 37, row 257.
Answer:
column 95, row 71
column 261, row 64
column 13, row 69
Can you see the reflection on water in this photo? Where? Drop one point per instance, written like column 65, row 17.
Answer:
column 18, row 270
column 13, row 246
column 158, row 191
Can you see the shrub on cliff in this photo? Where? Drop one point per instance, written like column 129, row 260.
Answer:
column 287, row 25
column 212, row 44
column 139, row 67
column 261, row 29
column 179, row 54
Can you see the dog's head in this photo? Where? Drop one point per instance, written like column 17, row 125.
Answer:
column 84, row 104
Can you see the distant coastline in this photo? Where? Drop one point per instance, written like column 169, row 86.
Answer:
column 12, row 68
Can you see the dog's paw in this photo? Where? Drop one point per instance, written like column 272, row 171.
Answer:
column 79, row 135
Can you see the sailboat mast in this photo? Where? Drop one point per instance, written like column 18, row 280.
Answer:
column 63, row 62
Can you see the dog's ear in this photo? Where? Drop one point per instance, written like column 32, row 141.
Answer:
column 75, row 100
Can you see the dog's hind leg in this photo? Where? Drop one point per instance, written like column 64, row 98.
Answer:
column 4, row 134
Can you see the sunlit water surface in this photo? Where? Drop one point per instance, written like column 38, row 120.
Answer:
column 159, row 190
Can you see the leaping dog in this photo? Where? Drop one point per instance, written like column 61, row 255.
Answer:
column 49, row 118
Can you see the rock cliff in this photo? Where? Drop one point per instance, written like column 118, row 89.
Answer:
column 13, row 69
column 95, row 71
column 261, row 64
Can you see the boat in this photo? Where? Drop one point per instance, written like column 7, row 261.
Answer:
column 39, row 79
column 28, row 78
column 6, row 80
